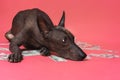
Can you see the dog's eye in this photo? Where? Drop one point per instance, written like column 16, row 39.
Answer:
column 64, row 40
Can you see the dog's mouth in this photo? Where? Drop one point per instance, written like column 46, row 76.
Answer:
column 73, row 57
column 76, row 58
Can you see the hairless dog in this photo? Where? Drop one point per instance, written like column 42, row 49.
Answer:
column 33, row 29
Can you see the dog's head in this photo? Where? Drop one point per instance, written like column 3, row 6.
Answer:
column 61, row 41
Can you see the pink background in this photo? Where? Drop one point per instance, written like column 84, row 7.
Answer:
column 92, row 21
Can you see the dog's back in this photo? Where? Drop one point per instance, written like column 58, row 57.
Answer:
column 28, row 18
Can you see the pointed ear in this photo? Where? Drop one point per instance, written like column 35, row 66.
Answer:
column 62, row 20
column 42, row 25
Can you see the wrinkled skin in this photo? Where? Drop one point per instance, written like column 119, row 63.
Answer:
column 34, row 29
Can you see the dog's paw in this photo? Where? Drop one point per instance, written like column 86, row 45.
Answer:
column 44, row 51
column 14, row 58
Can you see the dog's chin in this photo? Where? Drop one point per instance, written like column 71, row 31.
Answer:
column 76, row 59
column 73, row 58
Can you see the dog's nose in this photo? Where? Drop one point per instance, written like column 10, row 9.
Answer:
column 81, row 58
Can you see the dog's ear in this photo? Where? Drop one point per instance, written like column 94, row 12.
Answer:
column 42, row 25
column 62, row 20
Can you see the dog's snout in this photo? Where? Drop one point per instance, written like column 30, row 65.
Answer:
column 77, row 53
column 78, row 56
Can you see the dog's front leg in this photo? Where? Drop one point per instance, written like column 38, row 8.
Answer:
column 45, row 51
column 16, row 55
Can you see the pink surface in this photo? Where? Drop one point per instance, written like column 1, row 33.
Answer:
column 92, row 21
column 40, row 68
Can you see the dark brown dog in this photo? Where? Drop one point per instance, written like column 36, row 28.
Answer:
column 34, row 30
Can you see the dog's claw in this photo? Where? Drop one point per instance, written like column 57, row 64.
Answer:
column 44, row 51
column 14, row 58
